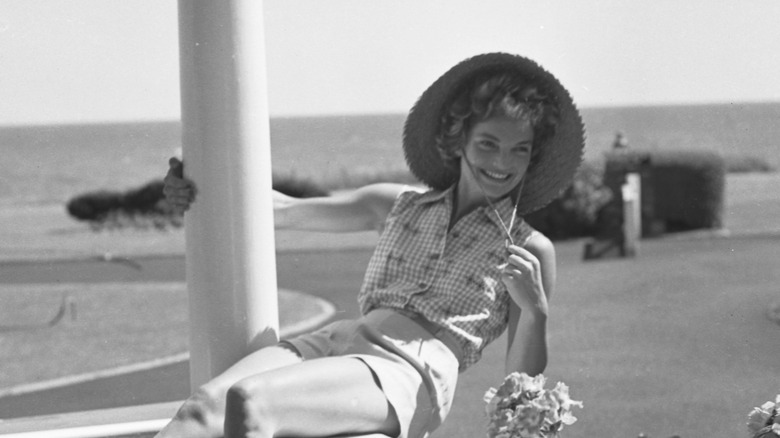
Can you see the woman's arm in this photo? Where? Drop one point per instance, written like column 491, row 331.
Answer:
column 363, row 209
column 530, row 279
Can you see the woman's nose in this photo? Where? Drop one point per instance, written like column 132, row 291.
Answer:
column 505, row 161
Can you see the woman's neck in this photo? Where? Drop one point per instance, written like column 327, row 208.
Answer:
column 464, row 202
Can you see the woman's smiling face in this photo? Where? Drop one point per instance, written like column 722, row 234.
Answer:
column 499, row 152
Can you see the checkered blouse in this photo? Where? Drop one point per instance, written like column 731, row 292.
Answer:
column 451, row 278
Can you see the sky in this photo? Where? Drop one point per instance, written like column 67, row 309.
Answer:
column 82, row 61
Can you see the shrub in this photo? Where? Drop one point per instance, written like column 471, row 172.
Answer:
column 146, row 207
column 681, row 190
column 297, row 187
column 350, row 178
column 94, row 206
column 141, row 207
column 147, row 199
column 575, row 213
column 737, row 163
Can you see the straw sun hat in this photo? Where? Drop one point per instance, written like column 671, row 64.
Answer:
column 558, row 159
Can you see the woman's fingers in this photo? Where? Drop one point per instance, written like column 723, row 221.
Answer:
column 522, row 258
column 522, row 277
column 521, row 252
column 175, row 175
column 521, row 263
column 179, row 191
column 178, row 187
column 176, row 167
column 179, row 199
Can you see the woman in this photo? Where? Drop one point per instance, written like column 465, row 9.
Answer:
column 495, row 137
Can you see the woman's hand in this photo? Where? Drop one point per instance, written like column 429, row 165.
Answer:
column 529, row 276
column 522, row 275
column 179, row 191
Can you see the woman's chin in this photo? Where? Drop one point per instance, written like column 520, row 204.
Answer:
column 498, row 194
column 498, row 189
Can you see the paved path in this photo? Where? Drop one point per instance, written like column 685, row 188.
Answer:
column 752, row 203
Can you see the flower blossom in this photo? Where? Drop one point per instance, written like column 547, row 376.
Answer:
column 765, row 419
column 522, row 408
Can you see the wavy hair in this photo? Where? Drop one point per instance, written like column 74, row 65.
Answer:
column 497, row 95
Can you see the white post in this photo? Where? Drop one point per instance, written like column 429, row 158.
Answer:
column 632, row 213
column 230, row 250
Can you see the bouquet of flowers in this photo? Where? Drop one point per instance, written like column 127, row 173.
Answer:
column 764, row 421
column 522, row 408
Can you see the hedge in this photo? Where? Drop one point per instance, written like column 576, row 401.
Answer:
column 146, row 206
column 681, row 190
column 576, row 212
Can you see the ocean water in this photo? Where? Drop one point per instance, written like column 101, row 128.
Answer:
column 50, row 164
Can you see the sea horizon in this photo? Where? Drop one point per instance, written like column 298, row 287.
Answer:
column 52, row 162
column 386, row 113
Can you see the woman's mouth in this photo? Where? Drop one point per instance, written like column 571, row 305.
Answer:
column 496, row 176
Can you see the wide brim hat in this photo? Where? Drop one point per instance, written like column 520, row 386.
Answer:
column 558, row 158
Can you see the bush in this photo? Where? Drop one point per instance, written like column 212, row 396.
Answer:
column 358, row 176
column 94, row 205
column 736, row 163
column 141, row 207
column 297, row 187
column 575, row 213
column 681, row 190
column 146, row 207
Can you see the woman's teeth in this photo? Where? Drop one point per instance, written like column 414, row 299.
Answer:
column 496, row 175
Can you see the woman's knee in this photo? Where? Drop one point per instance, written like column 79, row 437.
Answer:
column 249, row 404
column 201, row 407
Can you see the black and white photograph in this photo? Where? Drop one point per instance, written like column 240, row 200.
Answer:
column 389, row 219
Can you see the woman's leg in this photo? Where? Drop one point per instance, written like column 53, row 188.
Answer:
column 317, row 398
column 203, row 414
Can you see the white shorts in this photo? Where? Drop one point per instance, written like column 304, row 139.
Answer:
column 416, row 364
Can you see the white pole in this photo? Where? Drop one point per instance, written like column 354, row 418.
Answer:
column 230, row 250
column 632, row 213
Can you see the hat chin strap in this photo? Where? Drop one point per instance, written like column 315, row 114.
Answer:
column 507, row 229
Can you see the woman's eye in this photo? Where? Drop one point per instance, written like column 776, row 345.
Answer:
column 523, row 150
column 486, row 144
